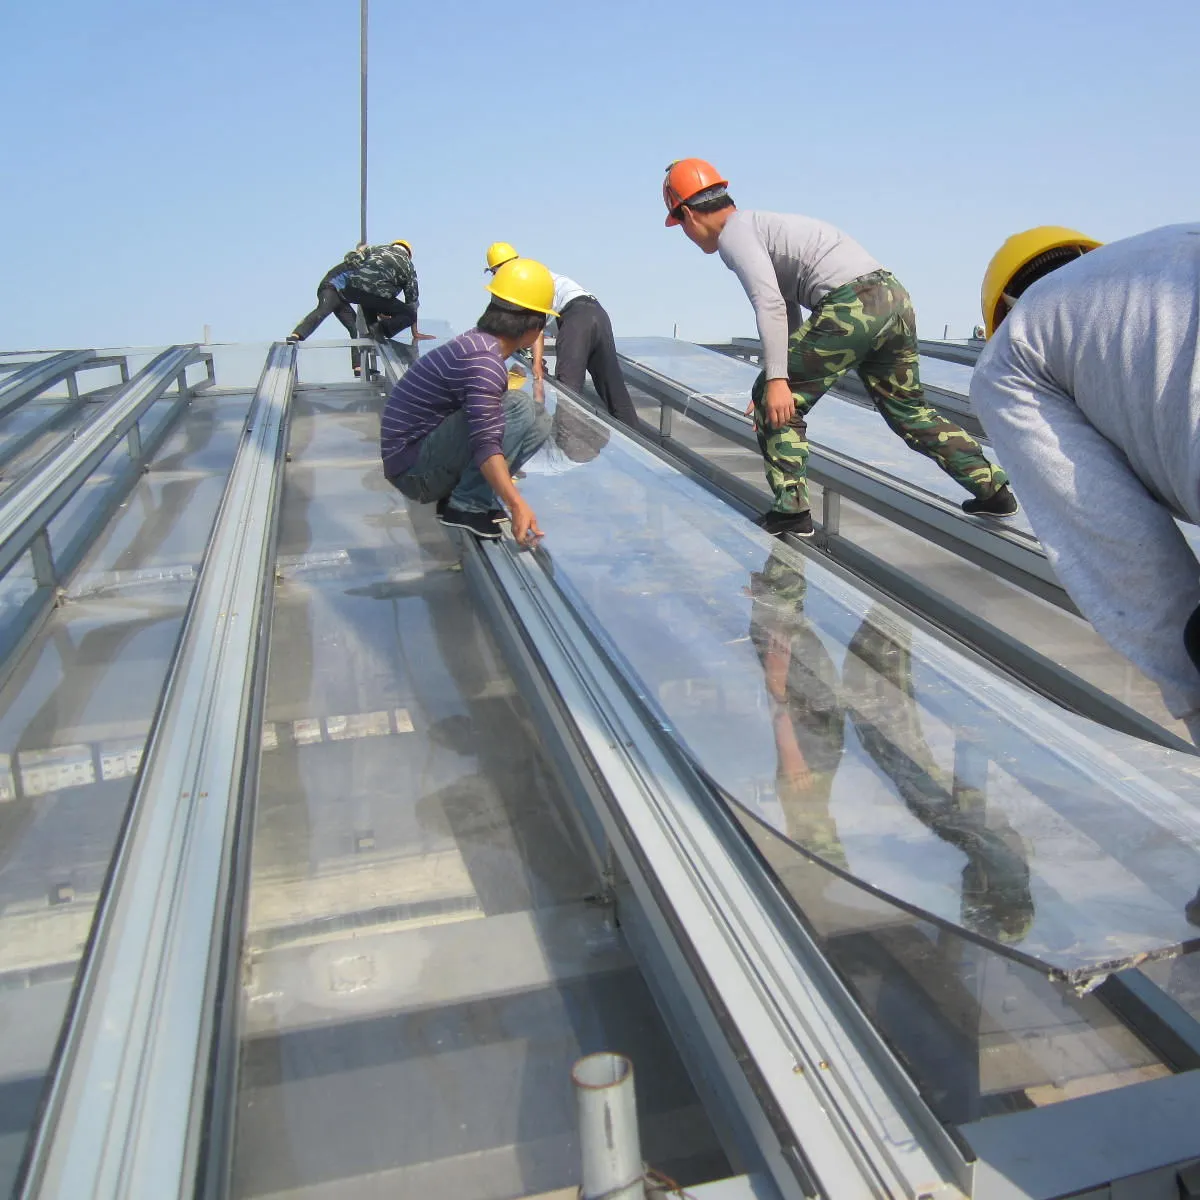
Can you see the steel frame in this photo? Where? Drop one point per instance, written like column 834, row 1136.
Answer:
column 126, row 1111
column 30, row 505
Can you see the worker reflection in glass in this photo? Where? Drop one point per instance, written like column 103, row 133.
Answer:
column 453, row 432
column 583, row 341
column 807, row 721
column 861, row 319
column 1090, row 386
column 877, row 687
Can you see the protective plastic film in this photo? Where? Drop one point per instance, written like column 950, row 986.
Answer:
column 863, row 741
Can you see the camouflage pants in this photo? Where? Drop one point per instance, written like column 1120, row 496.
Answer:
column 867, row 325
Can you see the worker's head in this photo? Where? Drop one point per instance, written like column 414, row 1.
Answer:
column 522, row 293
column 498, row 254
column 1022, row 260
column 403, row 246
column 695, row 194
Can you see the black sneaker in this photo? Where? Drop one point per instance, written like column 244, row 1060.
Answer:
column 481, row 524
column 778, row 523
column 1000, row 503
column 496, row 514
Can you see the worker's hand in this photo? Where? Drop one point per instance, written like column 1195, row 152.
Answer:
column 524, row 524
column 780, row 403
column 539, row 391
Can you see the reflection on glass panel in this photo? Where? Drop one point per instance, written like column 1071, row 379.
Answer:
column 928, row 778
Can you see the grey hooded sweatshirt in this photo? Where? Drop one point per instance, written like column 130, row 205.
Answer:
column 1090, row 392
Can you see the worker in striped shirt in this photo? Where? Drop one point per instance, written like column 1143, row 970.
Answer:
column 453, row 433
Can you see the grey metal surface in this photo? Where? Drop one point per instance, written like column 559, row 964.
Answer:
column 1011, row 860
column 26, row 382
column 123, row 1116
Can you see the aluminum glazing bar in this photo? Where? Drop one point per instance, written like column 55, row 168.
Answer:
column 846, row 1115
column 30, row 505
column 967, row 355
column 125, row 1110
column 24, row 384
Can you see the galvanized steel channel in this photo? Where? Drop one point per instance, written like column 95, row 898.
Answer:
column 124, row 1114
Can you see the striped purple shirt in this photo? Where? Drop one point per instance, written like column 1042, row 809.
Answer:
column 466, row 372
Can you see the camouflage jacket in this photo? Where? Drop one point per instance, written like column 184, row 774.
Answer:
column 386, row 271
column 354, row 258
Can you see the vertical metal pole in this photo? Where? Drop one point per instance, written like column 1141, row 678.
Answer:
column 362, row 145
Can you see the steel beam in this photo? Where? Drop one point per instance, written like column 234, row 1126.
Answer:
column 125, row 1111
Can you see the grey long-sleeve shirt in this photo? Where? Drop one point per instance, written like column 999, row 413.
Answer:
column 1090, row 392
column 785, row 263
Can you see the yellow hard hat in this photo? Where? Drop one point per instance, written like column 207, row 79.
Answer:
column 499, row 253
column 406, row 245
column 525, row 283
column 1022, row 259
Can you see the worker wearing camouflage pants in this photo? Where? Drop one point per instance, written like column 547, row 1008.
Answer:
column 868, row 326
column 861, row 318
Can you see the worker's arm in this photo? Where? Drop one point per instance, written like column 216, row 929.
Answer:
column 483, row 406
column 539, row 366
column 744, row 254
column 524, row 523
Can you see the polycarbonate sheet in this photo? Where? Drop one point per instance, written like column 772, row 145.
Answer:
column 835, row 424
column 868, row 743
column 950, row 376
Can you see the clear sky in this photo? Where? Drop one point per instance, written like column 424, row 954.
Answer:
column 169, row 165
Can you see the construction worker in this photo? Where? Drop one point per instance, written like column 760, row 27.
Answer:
column 583, row 341
column 861, row 318
column 375, row 283
column 1089, row 387
column 331, row 301
column 454, row 433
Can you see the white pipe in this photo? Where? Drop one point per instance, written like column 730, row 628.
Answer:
column 608, row 1129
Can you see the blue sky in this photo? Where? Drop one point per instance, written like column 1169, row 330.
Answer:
column 171, row 165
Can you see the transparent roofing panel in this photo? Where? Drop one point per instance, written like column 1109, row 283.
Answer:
column 867, row 743
column 953, row 377
column 835, row 424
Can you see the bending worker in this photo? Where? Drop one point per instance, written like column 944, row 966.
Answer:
column 454, row 433
column 1089, row 387
column 583, row 341
column 377, row 281
column 861, row 318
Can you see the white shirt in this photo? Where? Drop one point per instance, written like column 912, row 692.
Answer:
column 565, row 290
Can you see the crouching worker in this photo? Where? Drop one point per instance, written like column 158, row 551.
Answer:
column 453, row 433
column 1089, row 388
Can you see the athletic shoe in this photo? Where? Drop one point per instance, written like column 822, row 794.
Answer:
column 496, row 514
column 779, row 523
column 481, row 524
column 1001, row 503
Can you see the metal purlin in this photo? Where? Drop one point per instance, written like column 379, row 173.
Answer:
column 125, row 1112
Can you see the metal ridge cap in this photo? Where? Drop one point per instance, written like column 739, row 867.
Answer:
column 872, row 1136
column 121, row 1115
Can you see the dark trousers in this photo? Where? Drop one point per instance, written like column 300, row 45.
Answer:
column 585, row 343
column 391, row 315
column 330, row 302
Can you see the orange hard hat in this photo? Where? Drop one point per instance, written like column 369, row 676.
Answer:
column 688, row 177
